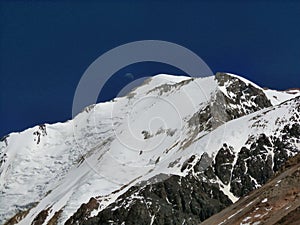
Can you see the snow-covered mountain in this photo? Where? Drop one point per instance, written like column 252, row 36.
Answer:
column 175, row 150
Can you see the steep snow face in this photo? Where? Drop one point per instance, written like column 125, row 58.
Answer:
column 99, row 150
column 277, row 97
column 111, row 146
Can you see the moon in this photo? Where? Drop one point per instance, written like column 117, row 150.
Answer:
column 129, row 76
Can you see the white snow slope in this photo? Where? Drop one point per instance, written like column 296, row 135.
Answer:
column 117, row 144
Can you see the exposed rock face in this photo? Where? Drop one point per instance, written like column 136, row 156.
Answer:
column 277, row 202
column 41, row 217
column 223, row 163
column 172, row 201
column 83, row 212
column 19, row 216
column 242, row 98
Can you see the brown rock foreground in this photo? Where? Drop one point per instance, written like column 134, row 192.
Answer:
column 277, row 202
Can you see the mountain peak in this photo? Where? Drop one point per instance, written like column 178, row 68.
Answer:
column 220, row 136
column 224, row 77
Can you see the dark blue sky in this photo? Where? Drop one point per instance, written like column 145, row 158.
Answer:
column 46, row 46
